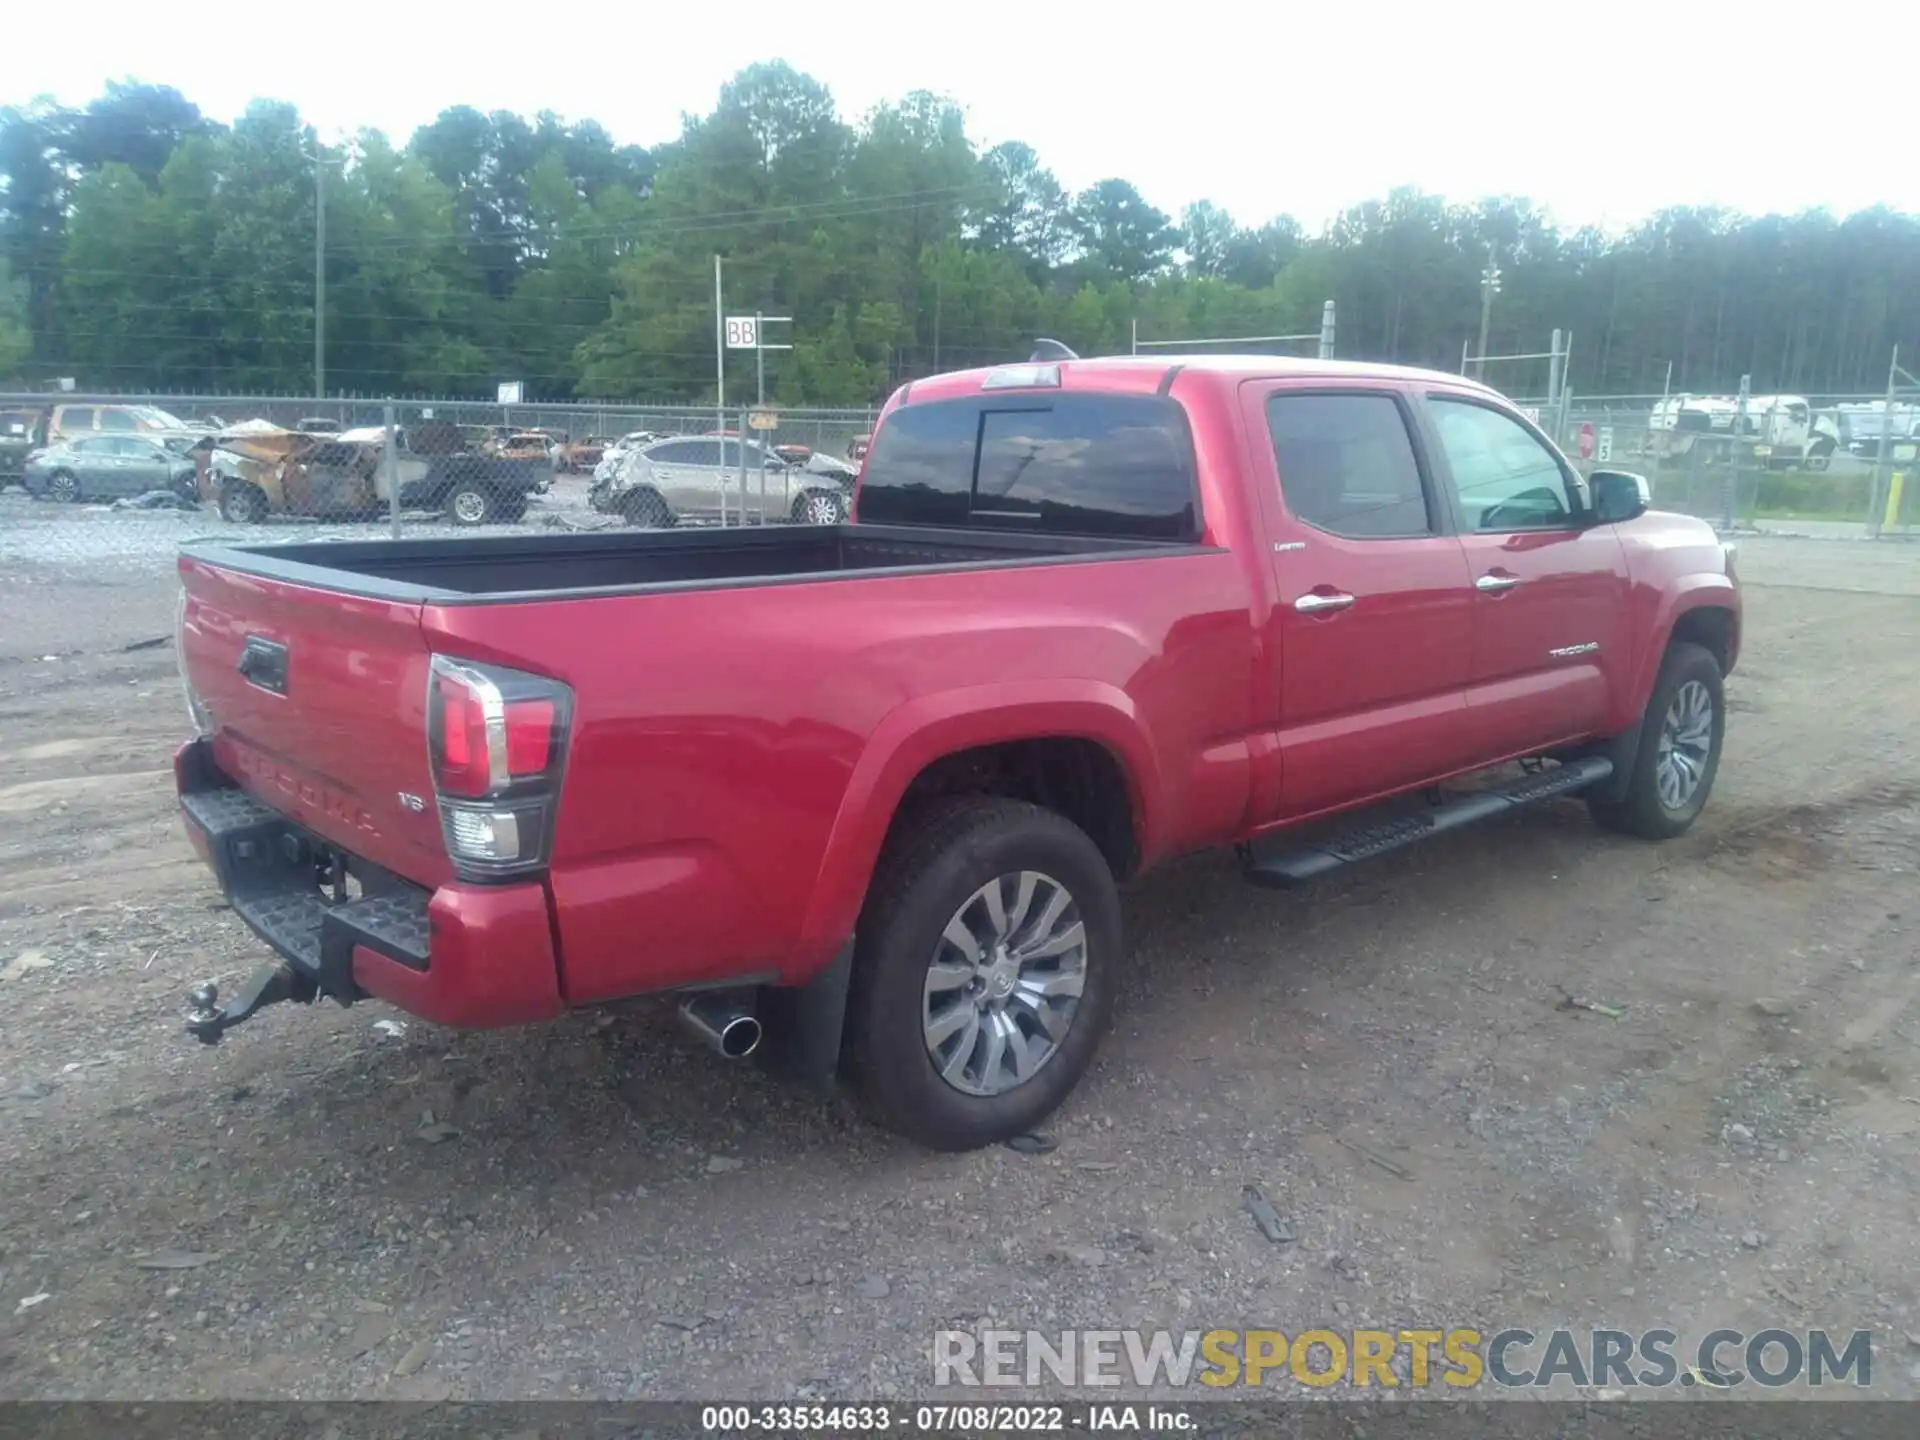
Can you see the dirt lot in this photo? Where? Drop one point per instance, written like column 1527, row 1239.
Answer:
column 598, row 1209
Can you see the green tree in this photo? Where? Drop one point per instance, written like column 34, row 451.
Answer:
column 1120, row 235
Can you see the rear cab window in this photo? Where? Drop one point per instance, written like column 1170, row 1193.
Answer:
column 1060, row 463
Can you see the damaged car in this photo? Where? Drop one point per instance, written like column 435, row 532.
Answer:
column 257, row 471
column 717, row 477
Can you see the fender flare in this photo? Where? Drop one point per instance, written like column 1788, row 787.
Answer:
column 915, row 734
column 1694, row 592
column 1690, row 593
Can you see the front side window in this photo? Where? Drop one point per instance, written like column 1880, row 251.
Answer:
column 1504, row 477
column 1347, row 465
column 76, row 420
column 119, row 420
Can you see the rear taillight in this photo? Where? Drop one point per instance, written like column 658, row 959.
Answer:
column 496, row 741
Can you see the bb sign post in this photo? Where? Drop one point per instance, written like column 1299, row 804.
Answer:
column 744, row 332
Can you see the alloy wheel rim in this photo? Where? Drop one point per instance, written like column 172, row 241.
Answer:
column 469, row 507
column 1004, row 983
column 1686, row 742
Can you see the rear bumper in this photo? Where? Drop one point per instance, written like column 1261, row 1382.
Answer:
column 474, row 956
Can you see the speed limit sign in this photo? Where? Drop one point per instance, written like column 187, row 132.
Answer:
column 743, row 332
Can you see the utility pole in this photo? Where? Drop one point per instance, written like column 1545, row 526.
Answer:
column 1489, row 287
column 719, row 353
column 319, row 158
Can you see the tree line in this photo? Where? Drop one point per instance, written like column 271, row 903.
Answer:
column 144, row 246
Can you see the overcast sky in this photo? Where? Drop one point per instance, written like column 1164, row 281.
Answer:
column 1604, row 112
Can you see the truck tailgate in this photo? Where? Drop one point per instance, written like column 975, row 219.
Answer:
column 317, row 704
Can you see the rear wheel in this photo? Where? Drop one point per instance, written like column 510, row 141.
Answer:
column 1678, row 753
column 646, row 511
column 984, row 972
column 470, row 505
column 242, row 504
column 820, row 507
column 64, row 486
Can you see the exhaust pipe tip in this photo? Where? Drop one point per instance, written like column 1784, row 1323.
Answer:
column 726, row 1023
column 740, row 1037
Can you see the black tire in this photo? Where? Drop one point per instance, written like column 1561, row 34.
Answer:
column 242, row 504
column 63, row 486
column 645, row 510
column 820, row 507
column 925, row 878
column 470, row 504
column 1639, row 809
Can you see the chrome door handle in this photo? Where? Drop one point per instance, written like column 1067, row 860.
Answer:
column 1314, row 604
column 1494, row 584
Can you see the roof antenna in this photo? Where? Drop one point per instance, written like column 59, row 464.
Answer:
column 1044, row 349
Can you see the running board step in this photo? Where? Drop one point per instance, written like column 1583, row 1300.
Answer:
column 1282, row 869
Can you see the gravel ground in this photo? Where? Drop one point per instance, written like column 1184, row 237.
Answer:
column 345, row 1208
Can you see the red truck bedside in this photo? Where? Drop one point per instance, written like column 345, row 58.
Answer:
column 871, row 788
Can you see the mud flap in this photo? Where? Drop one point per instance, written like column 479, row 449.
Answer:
column 804, row 1024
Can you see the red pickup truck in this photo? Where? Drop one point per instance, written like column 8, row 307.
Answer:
column 871, row 789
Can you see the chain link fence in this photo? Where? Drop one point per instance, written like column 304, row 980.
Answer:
column 1841, row 471
column 99, row 491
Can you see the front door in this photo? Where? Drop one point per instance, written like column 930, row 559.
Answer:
column 1550, row 589
column 1375, row 618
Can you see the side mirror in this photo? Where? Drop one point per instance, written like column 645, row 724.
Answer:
column 1618, row 496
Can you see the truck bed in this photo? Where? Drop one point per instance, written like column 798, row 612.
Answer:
column 500, row 568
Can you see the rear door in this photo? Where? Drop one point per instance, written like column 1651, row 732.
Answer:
column 1376, row 611
column 146, row 463
column 318, row 706
column 1550, row 638
column 685, row 470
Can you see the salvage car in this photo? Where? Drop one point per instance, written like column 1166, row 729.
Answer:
column 264, row 471
column 16, row 442
column 104, row 467
column 579, row 457
column 62, row 422
column 709, row 476
column 869, row 791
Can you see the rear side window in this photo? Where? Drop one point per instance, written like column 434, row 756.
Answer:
column 121, row 420
column 1109, row 465
column 74, row 419
column 1347, row 466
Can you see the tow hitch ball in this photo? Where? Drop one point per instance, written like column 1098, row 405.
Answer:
column 208, row 1019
